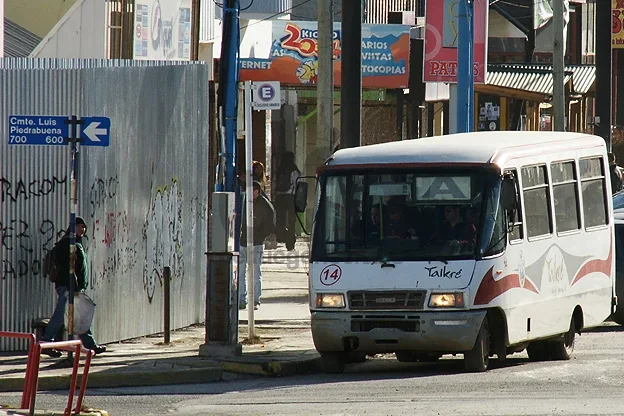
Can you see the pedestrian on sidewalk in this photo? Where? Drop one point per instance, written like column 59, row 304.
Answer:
column 287, row 175
column 61, row 256
column 616, row 174
column 263, row 226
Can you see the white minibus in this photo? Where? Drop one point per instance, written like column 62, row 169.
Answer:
column 478, row 244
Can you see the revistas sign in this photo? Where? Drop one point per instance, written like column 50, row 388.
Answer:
column 293, row 57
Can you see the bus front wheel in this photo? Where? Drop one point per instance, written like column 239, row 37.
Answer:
column 478, row 358
column 333, row 362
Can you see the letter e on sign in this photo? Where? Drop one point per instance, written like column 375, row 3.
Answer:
column 266, row 95
column 330, row 274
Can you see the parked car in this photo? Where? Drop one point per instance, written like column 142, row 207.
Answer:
column 618, row 216
column 618, row 201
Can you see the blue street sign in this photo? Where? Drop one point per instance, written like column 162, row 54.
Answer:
column 52, row 130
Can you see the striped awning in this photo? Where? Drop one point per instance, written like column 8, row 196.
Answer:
column 537, row 78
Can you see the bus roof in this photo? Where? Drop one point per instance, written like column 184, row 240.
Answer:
column 467, row 148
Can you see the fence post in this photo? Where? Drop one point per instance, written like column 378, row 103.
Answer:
column 167, row 279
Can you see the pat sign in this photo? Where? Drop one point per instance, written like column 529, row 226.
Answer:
column 54, row 131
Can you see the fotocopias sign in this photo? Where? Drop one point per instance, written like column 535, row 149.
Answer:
column 441, row 40
column 293, row 56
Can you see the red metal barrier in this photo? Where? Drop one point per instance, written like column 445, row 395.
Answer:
column 32, row 369
column 29, row 368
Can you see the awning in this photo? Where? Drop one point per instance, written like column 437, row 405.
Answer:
column 535, row 81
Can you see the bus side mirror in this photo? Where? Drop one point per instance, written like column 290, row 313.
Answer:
column 301, row 196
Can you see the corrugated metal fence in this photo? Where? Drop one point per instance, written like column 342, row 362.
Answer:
column 144, row 197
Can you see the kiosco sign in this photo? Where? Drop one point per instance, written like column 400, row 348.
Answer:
column 441, row 41
column 293, row 57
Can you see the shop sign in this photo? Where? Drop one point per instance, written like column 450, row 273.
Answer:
column 441, row 41
column 293, row 57
column 162, row 29
column 617, row 37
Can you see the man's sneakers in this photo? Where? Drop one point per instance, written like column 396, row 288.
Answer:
column 99, row 349
column 243, row 305
column 50, row 352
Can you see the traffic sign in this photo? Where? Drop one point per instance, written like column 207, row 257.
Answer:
column 266, row 95
column 52, row 130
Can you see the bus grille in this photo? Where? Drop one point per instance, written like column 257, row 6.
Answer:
column 411, row 300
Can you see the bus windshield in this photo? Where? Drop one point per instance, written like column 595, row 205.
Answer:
column 404, row 214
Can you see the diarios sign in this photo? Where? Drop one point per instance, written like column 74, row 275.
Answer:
column 441, row 41
column 293, row 58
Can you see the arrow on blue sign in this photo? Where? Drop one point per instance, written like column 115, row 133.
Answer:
column 53, row 131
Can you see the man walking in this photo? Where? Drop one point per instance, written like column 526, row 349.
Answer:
column 263, row 226
column 61, row 255
column 616, row 174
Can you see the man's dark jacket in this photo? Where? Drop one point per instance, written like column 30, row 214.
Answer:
column 61, row 253
column 263, row 222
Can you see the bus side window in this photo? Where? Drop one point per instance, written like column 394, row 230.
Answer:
column 516, row 227
column 536, row 200
column 594, row 191
column 565, row 196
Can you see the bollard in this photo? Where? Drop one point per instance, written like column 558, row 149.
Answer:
column 167, row 279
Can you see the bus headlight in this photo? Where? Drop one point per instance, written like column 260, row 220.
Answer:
column 330, row 300
column 447, row 300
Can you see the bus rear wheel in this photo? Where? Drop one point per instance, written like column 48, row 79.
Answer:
column 562, row 349
column 478, row 358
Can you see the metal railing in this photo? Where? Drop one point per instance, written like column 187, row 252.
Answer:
column 31, row 380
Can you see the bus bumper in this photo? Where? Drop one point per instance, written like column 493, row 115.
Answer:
column 371, row 333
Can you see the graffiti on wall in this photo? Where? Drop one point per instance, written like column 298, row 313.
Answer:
column 101, row 191
column 110, row 237
column 162, row 233
column 24, row 244
column 24, row 190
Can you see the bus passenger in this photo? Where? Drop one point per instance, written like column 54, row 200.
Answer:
column 453, row 228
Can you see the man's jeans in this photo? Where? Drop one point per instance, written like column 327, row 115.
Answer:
column 242, row 274
column 58, row 320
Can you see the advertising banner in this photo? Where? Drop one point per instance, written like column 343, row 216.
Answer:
column 293, row 58
column 617, row 36
column 441, row 40
column 162, row 29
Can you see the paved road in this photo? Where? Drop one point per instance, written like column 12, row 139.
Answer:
column 589, row 384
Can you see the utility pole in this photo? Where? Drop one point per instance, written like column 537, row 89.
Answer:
column 559, row 101
column 195, row 22
column 351, row 76
column 603, row 71
column 465, row 67
column 325, row 86
column 228, row 95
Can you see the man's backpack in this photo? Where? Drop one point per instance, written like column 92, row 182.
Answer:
column 50, row 266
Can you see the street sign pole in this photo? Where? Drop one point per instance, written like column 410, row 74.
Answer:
column 73, row 202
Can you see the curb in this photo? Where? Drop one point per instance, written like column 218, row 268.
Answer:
column 273, row 368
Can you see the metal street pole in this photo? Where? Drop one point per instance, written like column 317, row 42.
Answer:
column 228, row 94
column 249, row 211
column 351, row 74
column 325, row 86
column 559, row 101
column 603, row 70
column 465, row 65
